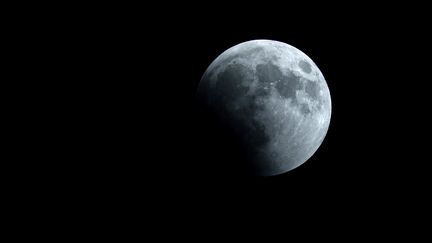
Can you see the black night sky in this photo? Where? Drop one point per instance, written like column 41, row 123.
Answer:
column 138, row 138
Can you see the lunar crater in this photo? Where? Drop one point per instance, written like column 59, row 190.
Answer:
column 305, row 66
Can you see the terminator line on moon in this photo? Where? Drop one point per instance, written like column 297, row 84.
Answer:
column 273, row 98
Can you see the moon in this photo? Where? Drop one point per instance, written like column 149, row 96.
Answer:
column 274, row 100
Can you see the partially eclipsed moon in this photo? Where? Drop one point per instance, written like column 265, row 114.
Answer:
column 274, row 99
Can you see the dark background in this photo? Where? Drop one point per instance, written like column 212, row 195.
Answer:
column 129, row 142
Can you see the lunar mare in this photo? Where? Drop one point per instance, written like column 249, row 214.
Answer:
column 274, row 99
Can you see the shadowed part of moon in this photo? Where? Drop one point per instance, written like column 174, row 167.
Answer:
column 238, row 113
column 305, row 66
column 244, row 54
column 227, row 87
